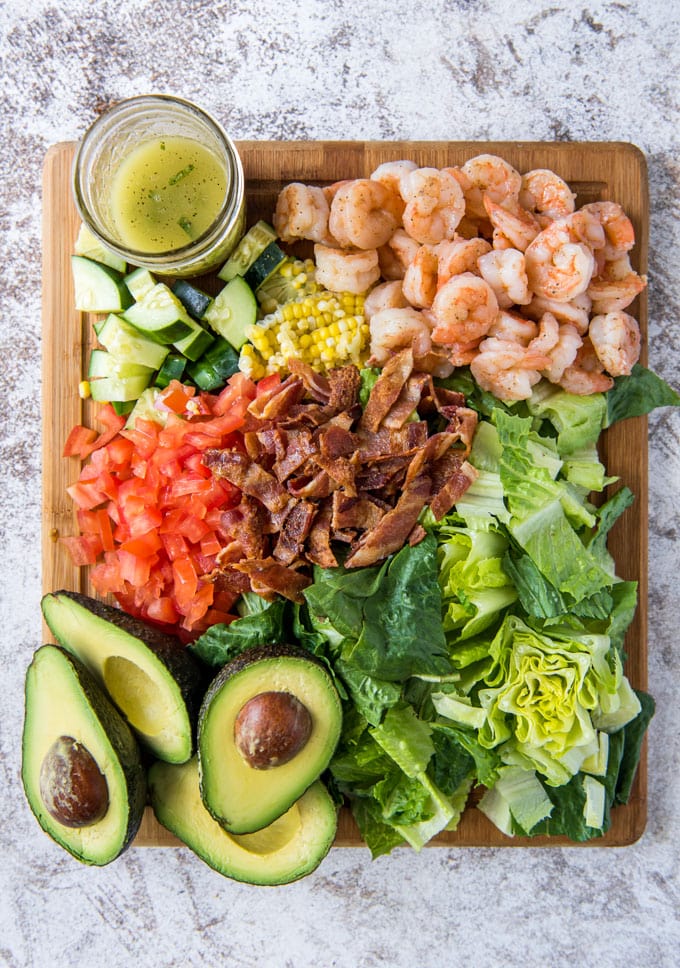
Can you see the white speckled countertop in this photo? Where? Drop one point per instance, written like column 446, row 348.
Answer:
column 339, row 69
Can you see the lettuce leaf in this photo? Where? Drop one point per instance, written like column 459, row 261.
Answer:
column 262, row 625
column 638, row 394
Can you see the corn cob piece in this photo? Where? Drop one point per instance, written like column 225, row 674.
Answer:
column 324, row 329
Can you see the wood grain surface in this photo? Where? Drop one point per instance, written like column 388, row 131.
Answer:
column 597, row 170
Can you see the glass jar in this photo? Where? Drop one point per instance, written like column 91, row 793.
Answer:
column 148, row 137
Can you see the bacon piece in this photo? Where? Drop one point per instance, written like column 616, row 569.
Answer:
column 358, row 513
column 386, row 390
column 318, row 549
column 393, row 529
column 344, row 383
column 252, row 479
column 294, row 531
column 451, row 477
column 316, row 384
column 407, row 401
column 299, row 448
column 269, row 577
column 336, row 441
column 315, row 484
column 246, row 525
column 386, row 441
column 275, row 403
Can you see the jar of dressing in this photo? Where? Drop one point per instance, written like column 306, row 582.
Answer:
column 160, row 183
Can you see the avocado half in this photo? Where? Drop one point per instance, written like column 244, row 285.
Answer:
column 243, row 798
column 66, row 709
column 155, row 682
column 289, row 848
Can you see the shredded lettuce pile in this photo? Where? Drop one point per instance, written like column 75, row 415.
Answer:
column 490, row 655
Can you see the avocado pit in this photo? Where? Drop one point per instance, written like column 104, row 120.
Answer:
column 72, row 787
column 272, row 728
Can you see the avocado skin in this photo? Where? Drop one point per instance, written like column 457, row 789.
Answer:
column 121, row 739
column 189, row 673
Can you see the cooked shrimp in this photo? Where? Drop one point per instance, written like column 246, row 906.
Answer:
column 341, row 271
column 330, row 191
column 395, row 329
column 616, row 286
column 513, row 226
column 391, row 173
column 395, row 256
column 388, row 295
column 464, row 309
column 505, row 271
column 559, row 265
column 560, row 343
column 576, row 312
column 513, row 327
column 507, row 369
column 459, row 255
column 434, row 205
column 546, row 195
column 420, row 279
column 616, row 341
column 364, row 214
column 489, row 176
column 586, row 374
column 618, row 228
column 301, row 213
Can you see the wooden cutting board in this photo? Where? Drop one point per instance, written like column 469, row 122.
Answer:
column 595, row 171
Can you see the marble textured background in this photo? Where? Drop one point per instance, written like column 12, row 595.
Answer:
column 341, row 69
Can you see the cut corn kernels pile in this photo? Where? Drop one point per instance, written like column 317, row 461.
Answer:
column 323, row 329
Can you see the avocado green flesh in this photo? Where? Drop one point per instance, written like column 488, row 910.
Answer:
column 292, row 846
column 137, row 680
column 63, row 700
column 244, row 799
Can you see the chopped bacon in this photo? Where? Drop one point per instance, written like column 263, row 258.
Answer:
column 248, row 476
column 393, row 529
column 269, row 577
column 451, row 478
column 315, row 470
column 386, row 389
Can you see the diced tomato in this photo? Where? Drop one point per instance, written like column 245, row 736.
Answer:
column 79, row 438
column 150, row 511
column 268, row 385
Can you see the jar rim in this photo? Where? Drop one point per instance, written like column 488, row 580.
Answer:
column 169, row 258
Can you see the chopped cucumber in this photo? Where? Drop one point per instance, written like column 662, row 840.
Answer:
column 110, row 389
column 264, row 266
column 172, row 369
column 194, row 300
column 126, row 343
column 215, row 367
column 88, row 244
column 121, row 407
column 233, row 311
column 103, row 364
column 252, row 245
column 98, row 287
column 146, row 409
column 196, row 343
column 160, row 316
column 140, row 282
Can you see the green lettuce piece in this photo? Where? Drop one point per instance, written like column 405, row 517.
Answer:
column 638, row 394
column 379, row 836
column 633, row 735
column 542, row 695
column 371, row 696
column 389, row 616
column 578, row 420
column 540, row 524
column 262, row 624
column 516, row 794
column 406, row 739
column 487, row 762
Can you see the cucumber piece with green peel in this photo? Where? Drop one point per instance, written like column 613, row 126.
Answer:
column 119, row 389
column 264, row 266
column 97, row 287
column 195, row 343
column 194, row 300
column 173, row 368
column 140, row 282
column 233, row 311
column 127, row 344
column 252, row 245
column 88, row 245
column 214, row 368
column 104, row 364
column 160, row 316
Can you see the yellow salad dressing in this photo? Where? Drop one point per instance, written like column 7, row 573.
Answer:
column 166, row 193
